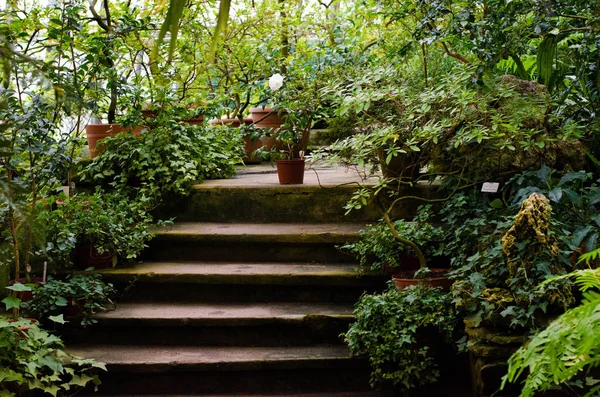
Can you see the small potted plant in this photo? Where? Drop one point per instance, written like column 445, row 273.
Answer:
column 399, row 332
column 80, row 295
column 416, row 257
column 95, row 230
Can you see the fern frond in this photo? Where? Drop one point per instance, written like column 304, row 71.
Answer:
column 567, row 346
column 590, row 256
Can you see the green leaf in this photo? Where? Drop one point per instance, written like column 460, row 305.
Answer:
column 18, row 287
column 58, row 319
column 497, row 204
column 80, row 380
column 11, row 302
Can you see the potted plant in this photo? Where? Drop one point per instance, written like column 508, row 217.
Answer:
column 399, row 331
column 378, row 249
column 95, row 230
column 80, row 295
column 109, row 83
column 166, row 160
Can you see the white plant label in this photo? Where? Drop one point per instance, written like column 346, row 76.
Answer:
column 490, row 187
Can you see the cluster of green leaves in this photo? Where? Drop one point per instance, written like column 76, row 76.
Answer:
column 454, row 125
column 107, row 222
column 81, row 295
column 575, row 197
column 166, row 159
column 476, row 225
column 377, row 248
column 32, row 359
column 568, row 347
column 395, row 330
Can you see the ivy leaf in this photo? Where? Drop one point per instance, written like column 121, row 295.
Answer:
column 497, row 204
column 58, row 319
column 18, row 287
column 80, row 380
column 11, row 302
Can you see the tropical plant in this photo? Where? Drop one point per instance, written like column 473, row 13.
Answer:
column 395, row 330
column 32, row 359
column 568, row 348
column 81, row 295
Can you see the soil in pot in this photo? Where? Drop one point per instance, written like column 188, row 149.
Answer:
column 86, row 255
column 437, row 278
column 290, row 172
column 97, row 132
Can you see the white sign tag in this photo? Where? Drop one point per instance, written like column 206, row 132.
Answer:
column 65, row 190
column 490, row 187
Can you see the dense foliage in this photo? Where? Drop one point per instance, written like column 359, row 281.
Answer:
column 33, row 359
column 397, row 330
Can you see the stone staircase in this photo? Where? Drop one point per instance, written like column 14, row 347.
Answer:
column 244, row 305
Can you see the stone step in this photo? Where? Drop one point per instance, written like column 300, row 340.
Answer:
column 252, row 242
column 210, row 370
column 257, row 196
column 241, row 324
column 242, row 282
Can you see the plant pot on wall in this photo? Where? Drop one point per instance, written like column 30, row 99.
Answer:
column 437, row 279
column 86, row 255
column 97, row 132
column 197, row 120
column 290, row 172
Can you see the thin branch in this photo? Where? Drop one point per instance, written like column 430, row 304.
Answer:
column 454, row 54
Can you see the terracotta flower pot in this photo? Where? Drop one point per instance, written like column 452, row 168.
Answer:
column 97, row 132
column 266, row 117
column 86, row 255
column 438, row 279
column 290, row 172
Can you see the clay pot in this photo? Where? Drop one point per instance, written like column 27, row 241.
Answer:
column 266, row 117
column 438, row 279
column 26, row 296
column 86, row 255
column 233, row 123
column 290, row 172
column 97, row 132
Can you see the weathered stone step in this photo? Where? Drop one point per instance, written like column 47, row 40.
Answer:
column 242, row 282
column 247, row 324
column 255, row 195
column 253, row 242
column 193, row 370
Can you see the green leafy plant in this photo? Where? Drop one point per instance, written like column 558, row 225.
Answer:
column 80, row 295
column 568, row 347
column 395, row 329
column 107, row 222
column 166, row 159
column 377, row 247
column 32, row 359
